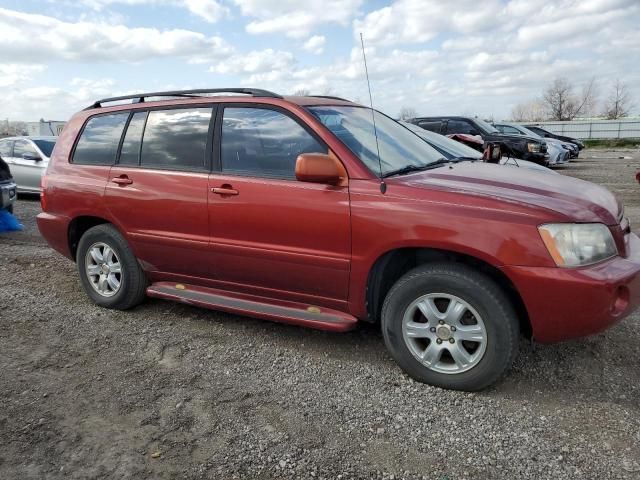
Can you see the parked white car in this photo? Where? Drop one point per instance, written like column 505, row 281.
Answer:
column 27, row 158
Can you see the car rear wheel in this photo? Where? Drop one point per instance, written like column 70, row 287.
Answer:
column 109, row 272
column 450, row 326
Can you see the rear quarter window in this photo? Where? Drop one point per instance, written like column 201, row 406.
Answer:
column 432, row 126
column 98, row 142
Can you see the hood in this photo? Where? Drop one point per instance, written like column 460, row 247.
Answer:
column 499, row 136
column 577, row 200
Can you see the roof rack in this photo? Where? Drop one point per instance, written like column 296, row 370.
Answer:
column 330, row 97
column 140, row 97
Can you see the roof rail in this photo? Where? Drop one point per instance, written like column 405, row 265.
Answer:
column 140, row 97
column 330, row 97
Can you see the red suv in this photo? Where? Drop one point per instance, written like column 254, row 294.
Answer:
column 297, row 209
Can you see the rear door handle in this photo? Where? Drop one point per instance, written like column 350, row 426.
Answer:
column 225, row 190
column 124, row 180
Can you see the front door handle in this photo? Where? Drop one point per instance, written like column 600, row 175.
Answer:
column 124, row 180
column 225, row 190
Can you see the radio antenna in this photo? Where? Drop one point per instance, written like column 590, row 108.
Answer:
column 383, row 186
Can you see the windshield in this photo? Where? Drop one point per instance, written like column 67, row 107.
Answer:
column 486, row 126
column 449, row 148
column 526, row 131
column 45, row 146
column 399, row 147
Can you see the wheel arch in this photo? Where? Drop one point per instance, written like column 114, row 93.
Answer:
column 392, row 265
column 78, row 226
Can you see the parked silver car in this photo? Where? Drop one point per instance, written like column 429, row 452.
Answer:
column 27, row 158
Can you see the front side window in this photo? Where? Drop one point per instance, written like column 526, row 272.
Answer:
column 20, row 147
column 45, row 146
column 176, row 139
column 399, row 146
column 264, row 143
column 99, row 140
column 459, row 126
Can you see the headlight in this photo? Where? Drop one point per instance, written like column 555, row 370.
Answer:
column 576, row 244
column 533, row 147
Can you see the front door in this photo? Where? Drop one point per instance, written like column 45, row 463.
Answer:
column 271, row 234
column 157, row 191
column 26, row 166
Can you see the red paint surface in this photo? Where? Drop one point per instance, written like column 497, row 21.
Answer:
column 316, row 244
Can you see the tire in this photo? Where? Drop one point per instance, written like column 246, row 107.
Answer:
column 407, row 330
column 130, row 280
column 10, row 209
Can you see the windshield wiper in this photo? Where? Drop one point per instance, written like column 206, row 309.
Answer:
column 467, row 159
column 428, row 166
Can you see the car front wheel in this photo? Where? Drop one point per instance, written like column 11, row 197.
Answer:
column 450, row 326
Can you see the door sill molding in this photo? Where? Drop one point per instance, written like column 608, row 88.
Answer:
column 260, row 307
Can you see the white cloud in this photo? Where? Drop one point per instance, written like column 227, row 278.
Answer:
column 256, row 62
column 31, row 38
column 315, row 44
column 294, row 18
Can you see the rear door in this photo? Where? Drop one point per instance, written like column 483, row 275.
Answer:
column 271, row 234
column 157, row 191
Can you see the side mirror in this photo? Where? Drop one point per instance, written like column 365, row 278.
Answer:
column 320, row 168
column 31, row 156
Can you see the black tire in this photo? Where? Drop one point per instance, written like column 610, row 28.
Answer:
column 10, row 209
column 482, row 294
column 133, row 282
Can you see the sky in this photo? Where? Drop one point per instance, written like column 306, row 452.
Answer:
column 456, row 57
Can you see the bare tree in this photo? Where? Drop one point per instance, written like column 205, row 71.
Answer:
column 619, row 102
column 407, row 113
column 563, row 104
column 302, row 92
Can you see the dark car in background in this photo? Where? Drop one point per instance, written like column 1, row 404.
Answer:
column 8, row 189
column 547, row 134
column 518, row 146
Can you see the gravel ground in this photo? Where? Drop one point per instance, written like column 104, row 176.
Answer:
column 170, row 391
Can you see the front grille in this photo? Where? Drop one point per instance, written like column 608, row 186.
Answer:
column 543, row 148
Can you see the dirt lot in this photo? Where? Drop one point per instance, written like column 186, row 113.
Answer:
column 170, row 391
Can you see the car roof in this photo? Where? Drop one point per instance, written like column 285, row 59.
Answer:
column 444, row 117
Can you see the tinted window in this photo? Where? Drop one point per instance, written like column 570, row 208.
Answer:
column 99, row 141
column 431, row 126
column 262, row 142
column 459, row 126
column 508, row 129
column 176, row 138
column 5, row 148
column 21, row 147
column 130, row 152
column 45, row 146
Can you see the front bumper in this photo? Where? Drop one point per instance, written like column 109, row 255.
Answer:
column 535, row 157
column 565, row 303
column 8, row 194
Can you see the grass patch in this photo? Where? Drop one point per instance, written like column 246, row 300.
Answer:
column 612, row 143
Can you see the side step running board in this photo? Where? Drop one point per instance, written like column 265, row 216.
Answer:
column 260, row 307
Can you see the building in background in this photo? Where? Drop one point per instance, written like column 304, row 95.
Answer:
column 44, row 127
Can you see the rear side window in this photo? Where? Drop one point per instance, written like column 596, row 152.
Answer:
column 176, row 139
column 6, row 148
column 263, row 143
column 99, row 140
column 130, row 152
